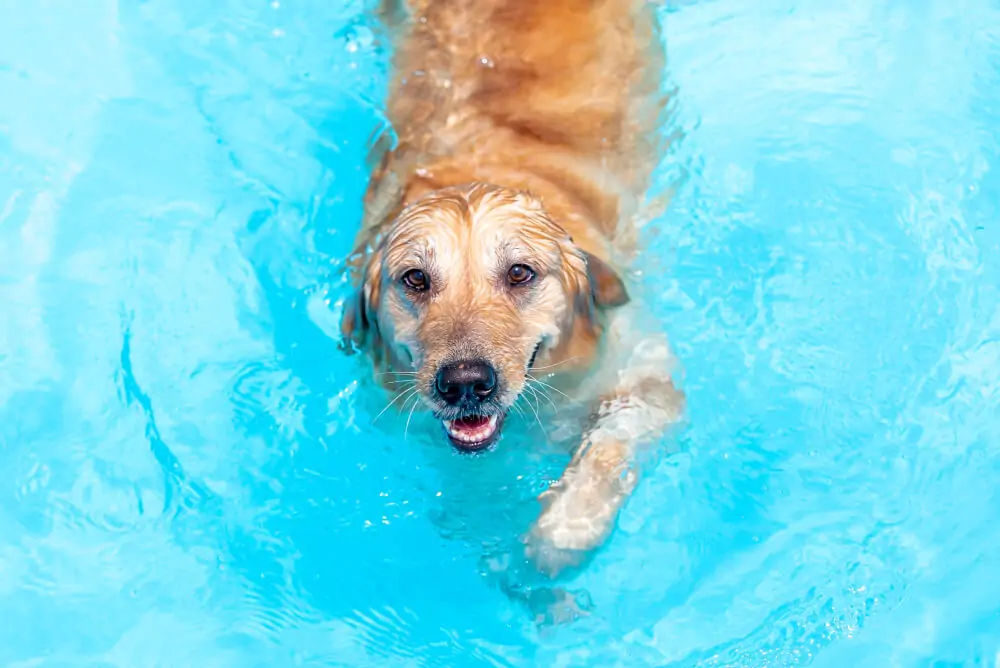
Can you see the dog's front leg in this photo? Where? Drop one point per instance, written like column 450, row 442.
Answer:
column 580, row 509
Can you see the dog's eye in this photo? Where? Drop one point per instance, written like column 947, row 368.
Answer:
column 416, row 280
column 520, row 274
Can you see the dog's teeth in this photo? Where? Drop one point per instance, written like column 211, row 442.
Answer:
column 477, row 436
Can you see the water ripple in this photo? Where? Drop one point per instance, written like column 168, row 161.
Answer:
column 200, row 481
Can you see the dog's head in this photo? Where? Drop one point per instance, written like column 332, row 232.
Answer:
column 468, row 290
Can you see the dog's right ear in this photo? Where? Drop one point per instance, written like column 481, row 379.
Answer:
column 354, row 322
column 359, row 323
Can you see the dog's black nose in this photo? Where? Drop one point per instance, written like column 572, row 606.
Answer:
column 466, row 382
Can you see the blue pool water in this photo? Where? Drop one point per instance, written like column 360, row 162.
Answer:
column 189, row 473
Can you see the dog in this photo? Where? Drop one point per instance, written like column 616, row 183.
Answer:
column 496, row 230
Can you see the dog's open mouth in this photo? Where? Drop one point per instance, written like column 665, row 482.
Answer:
column 472, row 433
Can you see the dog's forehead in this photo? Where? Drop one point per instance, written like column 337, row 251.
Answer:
column 511, row 227
column 474, row 230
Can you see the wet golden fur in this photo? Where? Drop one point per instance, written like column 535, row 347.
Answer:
column 526, row 133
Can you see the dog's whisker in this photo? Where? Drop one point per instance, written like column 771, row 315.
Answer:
column 535, row 394
column 416, row 401
column 544, row 384
column 549, row 366
column 541, row 427
column 515, row 407
column 406, row 392
column 400, row 373
column 534, row 408
column 519, row 409
column 546, row 396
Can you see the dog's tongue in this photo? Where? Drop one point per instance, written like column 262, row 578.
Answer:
column 472, row 422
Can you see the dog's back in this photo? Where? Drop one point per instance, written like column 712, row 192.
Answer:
column 562, row 98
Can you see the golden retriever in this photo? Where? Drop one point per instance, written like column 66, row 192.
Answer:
column 494, row 230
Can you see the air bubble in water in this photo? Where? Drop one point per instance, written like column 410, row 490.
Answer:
column 359, row 38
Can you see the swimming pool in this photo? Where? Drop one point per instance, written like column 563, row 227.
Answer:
column 191, row 473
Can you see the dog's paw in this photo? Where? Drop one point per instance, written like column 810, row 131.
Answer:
column 578, row 516
column 547, row 557
column 557, row 606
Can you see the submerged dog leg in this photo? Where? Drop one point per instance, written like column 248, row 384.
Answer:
column 580, row 509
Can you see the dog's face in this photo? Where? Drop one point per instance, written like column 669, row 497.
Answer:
column 466, row 291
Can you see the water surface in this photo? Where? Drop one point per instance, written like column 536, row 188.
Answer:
column 192, row 476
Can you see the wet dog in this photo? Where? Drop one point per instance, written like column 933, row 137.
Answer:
column 496, row 227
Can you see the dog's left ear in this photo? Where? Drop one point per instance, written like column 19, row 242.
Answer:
column 606, row 286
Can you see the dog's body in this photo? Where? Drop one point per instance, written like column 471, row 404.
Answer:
column 527, row 132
